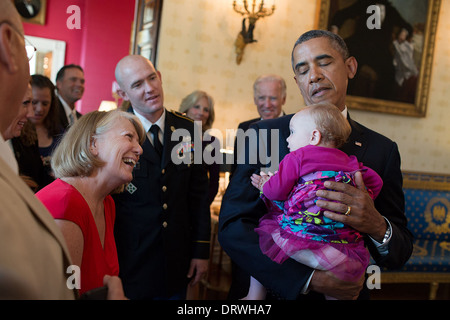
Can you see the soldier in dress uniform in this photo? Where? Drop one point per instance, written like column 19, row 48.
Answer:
column 162, row 226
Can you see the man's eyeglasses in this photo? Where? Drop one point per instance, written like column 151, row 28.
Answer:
column 29, row 48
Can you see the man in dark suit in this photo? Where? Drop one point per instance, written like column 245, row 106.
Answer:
column 322, row 68
column 70, row 88
column 162, row 224
column 269, row 96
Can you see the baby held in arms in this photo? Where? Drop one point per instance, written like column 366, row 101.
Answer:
column 294, row 227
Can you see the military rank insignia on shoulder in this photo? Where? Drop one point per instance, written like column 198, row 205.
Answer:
column 181, row 115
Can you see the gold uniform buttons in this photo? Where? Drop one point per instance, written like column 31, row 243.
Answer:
column 165, row 206
column 164, row 224
column 164, row 188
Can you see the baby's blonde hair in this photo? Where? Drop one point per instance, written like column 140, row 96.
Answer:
column 330, row 122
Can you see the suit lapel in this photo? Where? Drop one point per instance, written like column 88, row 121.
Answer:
column 38, row 210
column 169, row 145
column 149, row 153
column 356, row 144
column 284, row 134
column 271, row 152
column 62, row 114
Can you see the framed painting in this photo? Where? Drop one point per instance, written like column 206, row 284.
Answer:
column 393, row 43
column 32, row 11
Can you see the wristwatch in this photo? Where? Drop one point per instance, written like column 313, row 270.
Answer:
column 387, row 235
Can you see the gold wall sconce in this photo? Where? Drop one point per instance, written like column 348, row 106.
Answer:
column 245, row 36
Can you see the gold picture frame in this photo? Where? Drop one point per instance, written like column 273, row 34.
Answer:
column 35, row 13
column 367, row 91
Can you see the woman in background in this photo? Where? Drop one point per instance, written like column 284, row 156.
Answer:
column 199, row 106
column 23, row 141
column 45, row 118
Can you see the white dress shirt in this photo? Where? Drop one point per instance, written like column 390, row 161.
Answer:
column 147, row 124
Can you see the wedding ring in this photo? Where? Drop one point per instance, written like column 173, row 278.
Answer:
column 347, row 213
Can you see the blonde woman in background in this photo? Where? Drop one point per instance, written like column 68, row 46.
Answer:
column 199, row 106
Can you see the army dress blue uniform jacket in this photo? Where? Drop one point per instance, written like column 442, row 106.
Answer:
column 162, row 218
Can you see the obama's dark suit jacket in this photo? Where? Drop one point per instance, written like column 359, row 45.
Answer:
column 163, row 218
